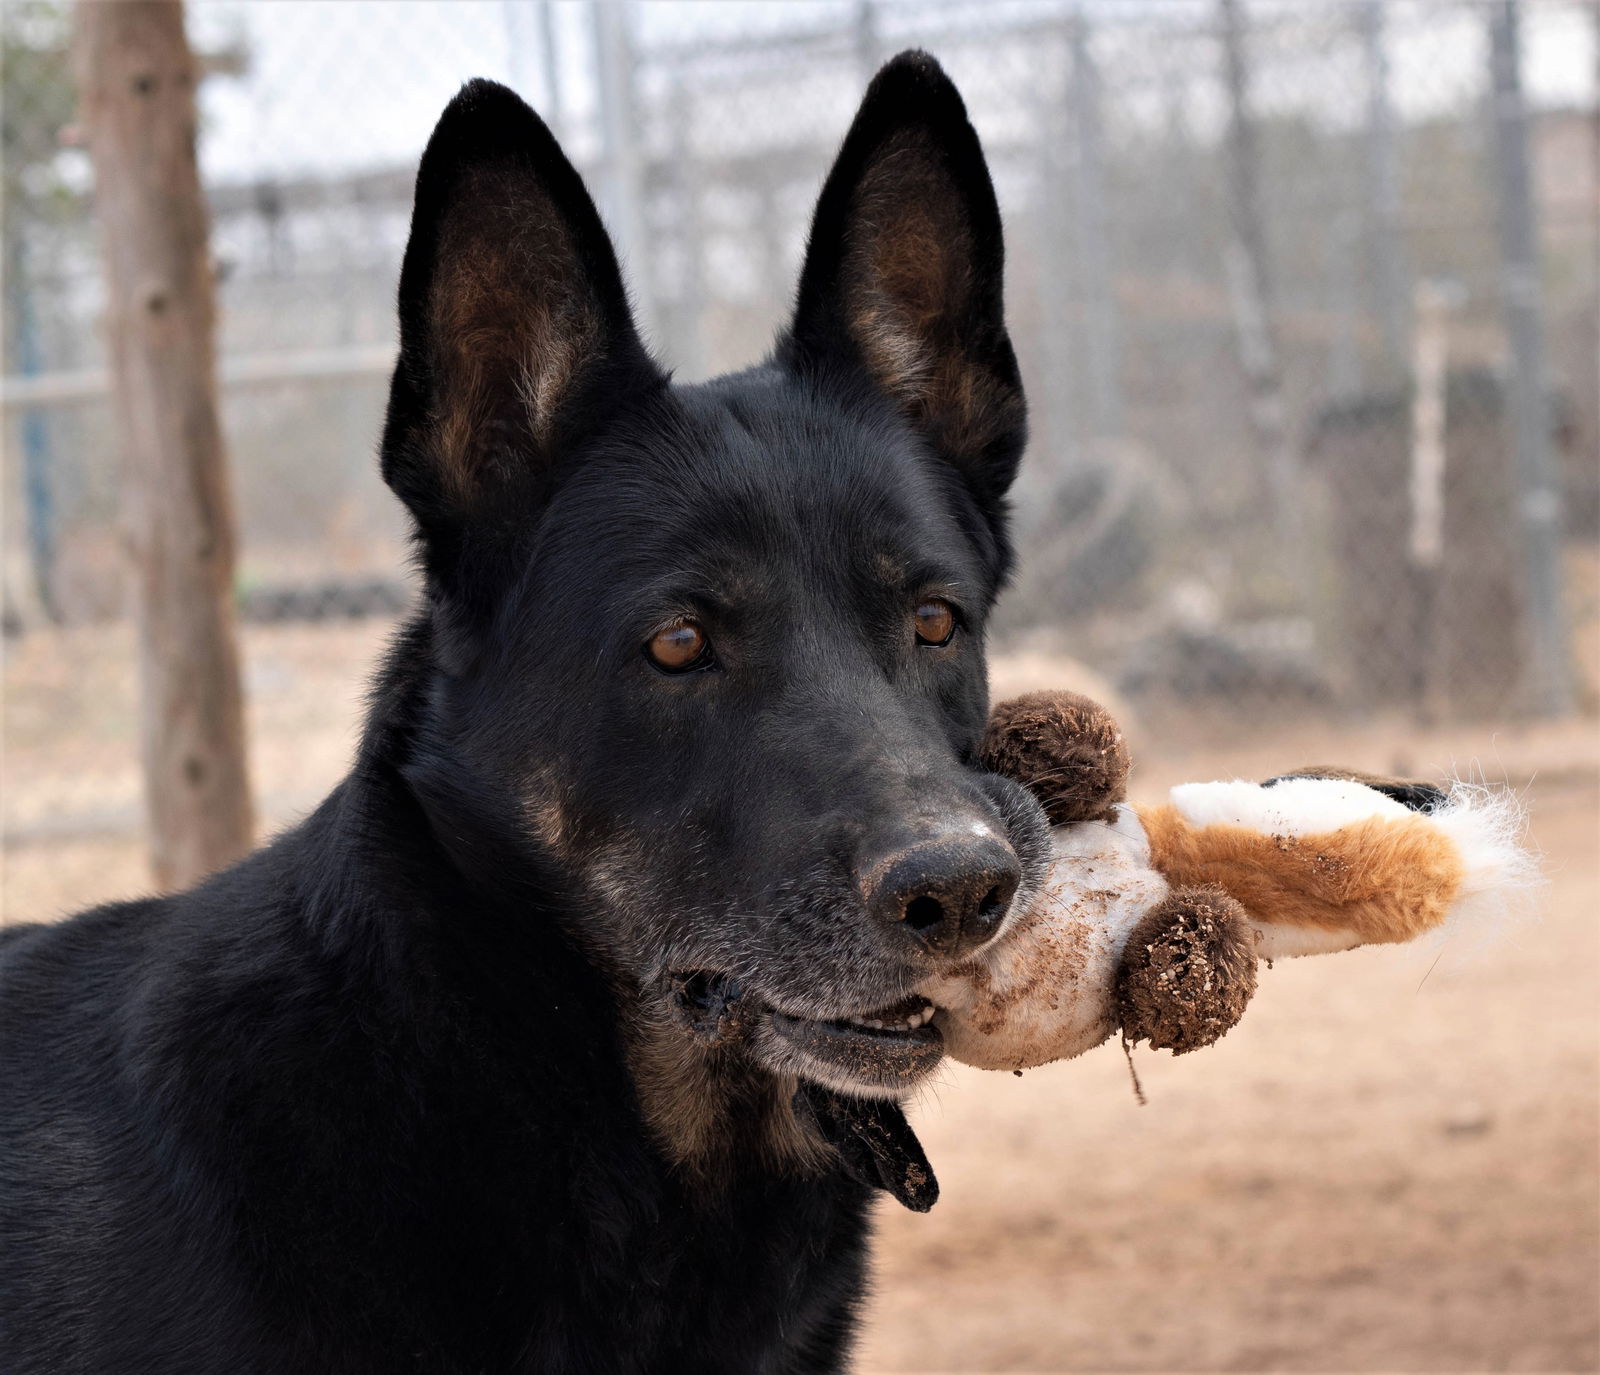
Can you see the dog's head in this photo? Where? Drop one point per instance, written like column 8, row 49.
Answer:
column 713, row 655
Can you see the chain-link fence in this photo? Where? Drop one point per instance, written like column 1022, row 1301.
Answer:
column 1314, row 416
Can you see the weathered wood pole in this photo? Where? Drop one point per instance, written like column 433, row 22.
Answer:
column 136, row 82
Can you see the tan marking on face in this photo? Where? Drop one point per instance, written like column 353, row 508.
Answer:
column 701, row 1101
column 889, row 569
column 548, row 821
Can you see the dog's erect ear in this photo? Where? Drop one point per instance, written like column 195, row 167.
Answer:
column 513, row 318
column 904, row 272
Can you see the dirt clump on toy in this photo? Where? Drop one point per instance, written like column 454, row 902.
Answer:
column 1188, row 971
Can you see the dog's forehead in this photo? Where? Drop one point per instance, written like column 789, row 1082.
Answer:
column 764, row 471
column 794, row 439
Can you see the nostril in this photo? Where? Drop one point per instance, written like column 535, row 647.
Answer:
column 948, row 896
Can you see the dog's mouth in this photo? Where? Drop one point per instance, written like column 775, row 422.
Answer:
column 852, row 1070
column 884, row 1051
column 879, row 1052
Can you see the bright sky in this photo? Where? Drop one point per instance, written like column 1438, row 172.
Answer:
column 337, row 84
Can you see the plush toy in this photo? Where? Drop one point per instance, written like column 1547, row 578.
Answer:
column 1153, row 918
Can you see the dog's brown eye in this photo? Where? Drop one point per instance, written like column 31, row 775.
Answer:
column 936, row 622
column 679, row 647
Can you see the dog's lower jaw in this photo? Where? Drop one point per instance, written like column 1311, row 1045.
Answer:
column 711, row 1107
column 856, row 1063
column 719, row 1109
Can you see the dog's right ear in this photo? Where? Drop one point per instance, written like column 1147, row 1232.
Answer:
column 514, row 322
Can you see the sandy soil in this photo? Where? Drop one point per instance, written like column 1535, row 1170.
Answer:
column 1390, row 1165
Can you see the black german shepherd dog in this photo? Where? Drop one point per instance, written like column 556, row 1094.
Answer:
column 570, row 1032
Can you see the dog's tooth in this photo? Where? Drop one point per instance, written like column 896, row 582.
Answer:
column 874, row 1023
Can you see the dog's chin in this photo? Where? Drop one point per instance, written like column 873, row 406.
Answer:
column 882, row 1054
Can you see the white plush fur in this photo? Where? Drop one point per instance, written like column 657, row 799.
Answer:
column 1294, row 807
column 1286, row 942
column 1487, row 827
column 1044, row 990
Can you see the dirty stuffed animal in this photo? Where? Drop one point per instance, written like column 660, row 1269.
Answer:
column 1153, row 918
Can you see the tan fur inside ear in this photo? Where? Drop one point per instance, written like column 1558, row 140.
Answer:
column 1386, row 878
column 908, row 277
column 512, row 324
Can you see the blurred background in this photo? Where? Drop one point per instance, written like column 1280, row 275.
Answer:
column 1304, row 293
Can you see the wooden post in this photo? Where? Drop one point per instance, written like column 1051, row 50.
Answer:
column 136, row 81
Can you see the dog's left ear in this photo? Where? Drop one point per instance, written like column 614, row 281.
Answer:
column 904, row 273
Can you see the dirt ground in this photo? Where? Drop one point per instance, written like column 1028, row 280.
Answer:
column 1392, row 1164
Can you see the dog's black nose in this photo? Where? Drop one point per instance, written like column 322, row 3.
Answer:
column 951, row 893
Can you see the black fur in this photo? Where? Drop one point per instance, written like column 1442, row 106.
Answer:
column 404, row 1091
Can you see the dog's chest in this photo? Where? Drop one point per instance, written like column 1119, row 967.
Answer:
column 749, row 1282
column 605, row 1259
column 766, row 1278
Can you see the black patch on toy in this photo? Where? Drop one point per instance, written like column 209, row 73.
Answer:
column 1408, row 792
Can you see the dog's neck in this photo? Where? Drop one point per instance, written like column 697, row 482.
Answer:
column 709, row 1109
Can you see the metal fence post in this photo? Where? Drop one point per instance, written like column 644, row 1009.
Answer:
column 1549, row 677
column 550, row 69
column 1094, row 268
column 38, row 489
column 1055, row 417
column 686, row 336
column 523, row 20
column 1252, row 287
column 622, row 184
column 864, row 34
column 1384, row 200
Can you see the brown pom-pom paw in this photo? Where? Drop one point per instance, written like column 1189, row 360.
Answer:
column 1188, row 971
column 1066, row 750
